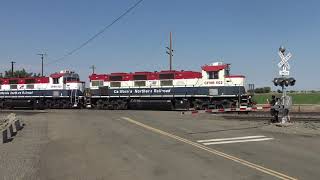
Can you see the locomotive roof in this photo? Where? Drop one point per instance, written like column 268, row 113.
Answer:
column 23, row 80
column 155, row 75
column 214, row 67
column 43, row 79
column 150, row 75
column 64, row 73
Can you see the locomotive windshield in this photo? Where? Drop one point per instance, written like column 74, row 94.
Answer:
column 116, row 78
column 13, row 81
column 213, row 75
column 30, row 81
column 139, row 77
column 166, row 76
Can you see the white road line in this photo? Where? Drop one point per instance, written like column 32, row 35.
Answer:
column 212, row 151
column 226, row 139
column 238, row 141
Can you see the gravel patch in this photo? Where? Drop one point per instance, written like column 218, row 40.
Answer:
column 299, row 128
column 3, row 121
column 19, row 159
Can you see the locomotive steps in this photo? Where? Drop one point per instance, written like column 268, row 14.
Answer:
column 9, row 127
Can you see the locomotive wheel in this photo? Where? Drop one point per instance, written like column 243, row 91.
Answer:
column 198, row 105
column 1, row 104
column 110, row 107
column 100, row 104
column 38, row 104
column 6, row 105
column 172, row 106
column 188, row 106
column 106, row 104
column 65, row 104
column 121, row 105
column 115, row 105
column 55, row 104
column 48, row 104
column 125, row 105
column 60, row 104
column 227, row 104
column 35, row 105
column 219, row 106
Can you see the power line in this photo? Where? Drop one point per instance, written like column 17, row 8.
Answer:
column 97, row 34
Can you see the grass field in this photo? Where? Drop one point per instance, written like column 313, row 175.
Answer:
column 298, row 98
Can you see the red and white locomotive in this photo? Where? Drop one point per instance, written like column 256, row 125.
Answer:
column 59, row 90
column 213, row 87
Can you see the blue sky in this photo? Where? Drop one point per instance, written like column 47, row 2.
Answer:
column 245, row 33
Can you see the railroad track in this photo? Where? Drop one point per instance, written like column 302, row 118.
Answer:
column 266, row 116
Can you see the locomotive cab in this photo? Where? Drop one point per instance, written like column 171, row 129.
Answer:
column 68, row 80
column 219, row 74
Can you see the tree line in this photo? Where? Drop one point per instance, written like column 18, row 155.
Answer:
column 18, row 74
column 260, row 90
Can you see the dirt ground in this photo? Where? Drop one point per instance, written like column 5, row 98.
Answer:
column 299, row 128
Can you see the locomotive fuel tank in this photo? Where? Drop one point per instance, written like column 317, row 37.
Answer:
column 18, row 103
column 156, row 104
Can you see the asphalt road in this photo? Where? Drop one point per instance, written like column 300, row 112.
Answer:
column 144, row 145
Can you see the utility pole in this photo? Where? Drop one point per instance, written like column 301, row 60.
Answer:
column 12, row 63
column 93, row 68
column 42, row 57
column 170, row 52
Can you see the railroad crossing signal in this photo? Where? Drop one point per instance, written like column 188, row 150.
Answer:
column 283, row 64
column 284, row 81
column 282, row 106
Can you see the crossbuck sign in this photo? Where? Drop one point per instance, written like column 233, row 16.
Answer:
column 283, row 64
